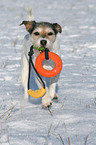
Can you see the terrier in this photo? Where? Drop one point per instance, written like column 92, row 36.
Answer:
column 41, row 34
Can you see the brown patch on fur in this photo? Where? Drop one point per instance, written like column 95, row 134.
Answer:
column 28, row 24
column 57, row 27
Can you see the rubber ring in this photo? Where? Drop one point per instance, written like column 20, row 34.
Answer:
column 48, row 73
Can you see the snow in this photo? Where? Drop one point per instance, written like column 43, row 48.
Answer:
column 74, row 115
column 4, row 140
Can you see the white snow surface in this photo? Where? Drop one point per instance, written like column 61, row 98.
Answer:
column 74, row 115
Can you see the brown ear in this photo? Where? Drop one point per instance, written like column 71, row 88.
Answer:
column 28, row 24
column 57, row 27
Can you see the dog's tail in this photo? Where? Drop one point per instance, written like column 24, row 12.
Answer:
column 30, row 13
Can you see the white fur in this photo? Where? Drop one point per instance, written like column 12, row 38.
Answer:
column 30, row 13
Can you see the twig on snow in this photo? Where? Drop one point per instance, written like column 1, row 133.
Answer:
column 7, row 118
column 48, row 134
column 61, row 139
column 68, row 141
column 7, row 111
column 86, row 140
column 50, row 111
column 57, row 126
column 78, row 137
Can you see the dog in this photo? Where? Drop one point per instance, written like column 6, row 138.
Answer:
column 41, row 34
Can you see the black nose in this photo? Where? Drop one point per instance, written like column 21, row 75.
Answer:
column 43, row 42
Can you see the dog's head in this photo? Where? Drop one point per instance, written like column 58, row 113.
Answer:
column 43, row 34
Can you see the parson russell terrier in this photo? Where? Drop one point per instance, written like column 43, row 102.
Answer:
column 41, row 34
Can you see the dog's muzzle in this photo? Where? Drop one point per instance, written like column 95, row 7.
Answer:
column 43, row 43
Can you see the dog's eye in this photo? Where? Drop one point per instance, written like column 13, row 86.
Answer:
column 50, row 33
column 36, row 33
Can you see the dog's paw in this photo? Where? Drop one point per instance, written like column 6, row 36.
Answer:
column 46, row 101
column 55, row 97
column 47, row 106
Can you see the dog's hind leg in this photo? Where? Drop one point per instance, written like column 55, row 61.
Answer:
column 25, row 75
column 52, row 87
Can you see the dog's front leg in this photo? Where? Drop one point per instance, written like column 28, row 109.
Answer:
column 25, row 75
column 46, row 101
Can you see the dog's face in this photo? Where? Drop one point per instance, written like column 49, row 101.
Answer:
column 43, row 34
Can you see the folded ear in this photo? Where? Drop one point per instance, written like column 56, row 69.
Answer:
column 57, row 27
column 29, row 25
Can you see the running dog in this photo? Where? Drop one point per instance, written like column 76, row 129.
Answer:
column 41, row 34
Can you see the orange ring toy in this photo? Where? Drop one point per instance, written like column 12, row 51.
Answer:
column 48, row 73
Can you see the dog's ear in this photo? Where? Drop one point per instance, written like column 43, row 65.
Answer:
column 29, row 25
column 57, row 27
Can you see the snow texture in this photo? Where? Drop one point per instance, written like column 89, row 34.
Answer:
column 74, row 115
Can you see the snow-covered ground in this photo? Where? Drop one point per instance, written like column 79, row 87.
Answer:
column 74, row 116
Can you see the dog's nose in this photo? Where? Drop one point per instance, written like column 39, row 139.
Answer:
column 43, row 42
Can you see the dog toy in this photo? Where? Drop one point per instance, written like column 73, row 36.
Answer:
column 40, row 49
column 37, row 93
column 38, row 68
column 48, row 73
column 40, row 92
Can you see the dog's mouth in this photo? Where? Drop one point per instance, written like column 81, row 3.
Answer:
column 42, row 51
